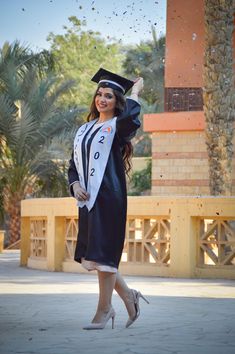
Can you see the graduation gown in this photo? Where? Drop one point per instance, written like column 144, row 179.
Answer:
column 101, row 231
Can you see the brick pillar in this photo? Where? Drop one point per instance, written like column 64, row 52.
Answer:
column 179, row 153
column 180, row 165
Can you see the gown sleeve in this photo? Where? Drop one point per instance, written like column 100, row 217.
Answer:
column 128, row 121
column 72, row 175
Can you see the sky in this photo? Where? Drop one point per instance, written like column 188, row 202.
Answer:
column 128, row 21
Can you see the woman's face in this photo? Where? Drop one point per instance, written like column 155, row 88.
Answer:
column 105, row 101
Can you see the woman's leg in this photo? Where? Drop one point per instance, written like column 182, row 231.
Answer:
column 126, row 295
column 107, row 281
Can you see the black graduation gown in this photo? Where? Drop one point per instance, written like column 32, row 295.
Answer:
column 102, row 230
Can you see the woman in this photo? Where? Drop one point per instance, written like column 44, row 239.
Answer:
column 101, row 156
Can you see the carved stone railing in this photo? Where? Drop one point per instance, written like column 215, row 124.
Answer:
column 71, row 231
column 217, row 242
column 38, row 238
column 147, row 240
column 176, row 237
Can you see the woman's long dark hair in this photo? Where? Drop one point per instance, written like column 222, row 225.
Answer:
column 127, row 150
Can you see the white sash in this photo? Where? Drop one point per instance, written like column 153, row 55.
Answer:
column 98, row 158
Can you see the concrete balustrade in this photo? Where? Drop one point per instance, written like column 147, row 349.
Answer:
column 165, row 236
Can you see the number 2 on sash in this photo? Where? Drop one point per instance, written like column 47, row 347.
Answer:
column 92, row 172
column 101, row 139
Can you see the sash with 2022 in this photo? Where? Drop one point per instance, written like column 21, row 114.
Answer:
column 98, row 157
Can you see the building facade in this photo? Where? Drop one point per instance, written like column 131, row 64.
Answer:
column 179, row 153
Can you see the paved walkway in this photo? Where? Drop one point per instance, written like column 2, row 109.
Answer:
column 43, row 312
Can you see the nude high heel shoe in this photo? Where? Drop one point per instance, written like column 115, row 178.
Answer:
column 136, row 298
column 101, row 325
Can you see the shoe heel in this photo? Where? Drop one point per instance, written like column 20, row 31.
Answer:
column 113, row 318
column 140, row 295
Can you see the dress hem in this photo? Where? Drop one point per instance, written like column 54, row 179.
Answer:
column 92, row 265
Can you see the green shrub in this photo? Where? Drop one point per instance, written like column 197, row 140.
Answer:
column 141, row 180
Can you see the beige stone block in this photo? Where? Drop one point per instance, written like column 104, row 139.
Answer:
column 162, row 162
column 186, row 169
column 199, row 163
column 180, row 190
column 166, row 168
column 158, row 170
column 182, row 162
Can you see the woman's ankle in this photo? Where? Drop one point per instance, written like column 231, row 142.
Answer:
column 104, row 308
column 129, row 295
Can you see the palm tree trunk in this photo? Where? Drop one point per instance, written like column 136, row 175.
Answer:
column 13, row 210
column 218, row 93
column 14, row 223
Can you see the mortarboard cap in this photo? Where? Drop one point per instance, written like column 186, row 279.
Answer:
column 112, row 80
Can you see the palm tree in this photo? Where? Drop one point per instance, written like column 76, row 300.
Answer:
column 31, row 125
column 219, row 93
column 147, row 60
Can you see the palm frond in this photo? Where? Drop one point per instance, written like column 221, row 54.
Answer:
column 17, row 54
column 62, row 144
column 29, row 85
column 58, row 122
column 7, row 118
column 60, row 90
column 24, row 134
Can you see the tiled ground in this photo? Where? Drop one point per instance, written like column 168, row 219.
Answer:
column 44, row 312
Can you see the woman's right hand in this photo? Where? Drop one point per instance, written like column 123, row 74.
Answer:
column 138, row 86
column 79, row 193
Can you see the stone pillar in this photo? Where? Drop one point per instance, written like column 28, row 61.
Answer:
column 60, row 229
column 184, row 230
column 25, row 241
column 55, row 242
